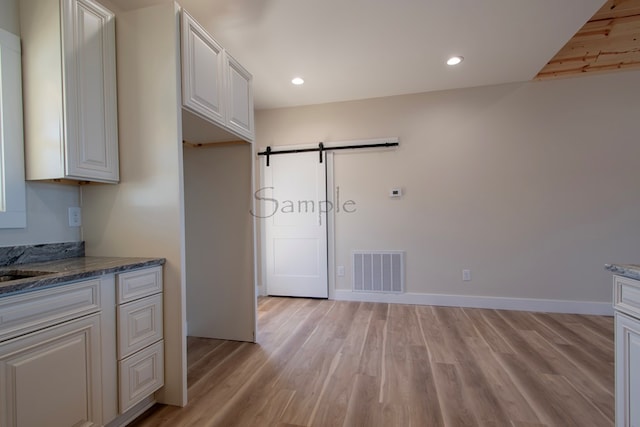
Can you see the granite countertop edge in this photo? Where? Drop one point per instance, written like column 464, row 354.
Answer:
column 66, row 271
column 631, row 271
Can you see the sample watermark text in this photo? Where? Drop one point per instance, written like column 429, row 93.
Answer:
column 269, row 206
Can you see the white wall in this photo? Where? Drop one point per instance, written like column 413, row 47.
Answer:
column 532, row 186
column 47, row 215
column 9, row 20
column 219, row 242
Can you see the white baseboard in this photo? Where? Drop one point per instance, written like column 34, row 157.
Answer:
column 499, row 303
column 133, row 413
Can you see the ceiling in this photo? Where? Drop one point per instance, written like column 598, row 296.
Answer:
column 356, row 49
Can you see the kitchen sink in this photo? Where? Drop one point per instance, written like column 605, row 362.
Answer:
column 10, row 275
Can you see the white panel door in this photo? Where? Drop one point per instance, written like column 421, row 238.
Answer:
column 294, row 207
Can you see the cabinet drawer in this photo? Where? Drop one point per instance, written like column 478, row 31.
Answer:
column 31, row 311
column 137, row 284
column 626, row 295
column 140, row 375
column 139, row 324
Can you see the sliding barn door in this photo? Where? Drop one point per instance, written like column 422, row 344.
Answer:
column 294, row 210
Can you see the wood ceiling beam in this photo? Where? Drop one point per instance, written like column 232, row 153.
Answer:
column 617, row 9
column 609, row 41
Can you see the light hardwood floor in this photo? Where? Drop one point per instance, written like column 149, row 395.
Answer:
column 336, row 363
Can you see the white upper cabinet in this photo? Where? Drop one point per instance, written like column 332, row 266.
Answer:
column 69, row 79
column 215, row 87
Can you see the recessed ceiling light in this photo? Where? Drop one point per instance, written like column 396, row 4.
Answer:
column 454, row 60
column 297, row 81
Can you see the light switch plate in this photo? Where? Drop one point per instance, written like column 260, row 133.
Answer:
column 395, row 192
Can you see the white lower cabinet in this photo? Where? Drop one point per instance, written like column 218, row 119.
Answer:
column 139, row 336
column 52, row 377
column 86, row 353
column 627, row 371
column 626, row 302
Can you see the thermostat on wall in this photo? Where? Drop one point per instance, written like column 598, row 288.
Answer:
column 395, row 192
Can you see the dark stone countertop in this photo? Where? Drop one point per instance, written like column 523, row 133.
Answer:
column 631, row 271
column 66, row 270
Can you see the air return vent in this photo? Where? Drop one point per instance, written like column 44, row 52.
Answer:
column 378, row 271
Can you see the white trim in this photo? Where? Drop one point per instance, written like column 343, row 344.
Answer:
column 499, row 303
column 133, row 413
column 389, row 140
column 254, row 228
column 260, row 230
column 331, row 221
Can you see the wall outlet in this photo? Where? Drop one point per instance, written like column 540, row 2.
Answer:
column 340, row 270
column 466, row 275
column 75, row 217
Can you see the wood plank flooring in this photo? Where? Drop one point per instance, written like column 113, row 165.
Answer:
column 337, row 363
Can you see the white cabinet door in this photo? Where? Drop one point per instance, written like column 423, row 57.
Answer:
column 627, row 371
column 202, row 72
column 68, row 357
column 69, row 96
column 90, row 86
column 240, row 98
